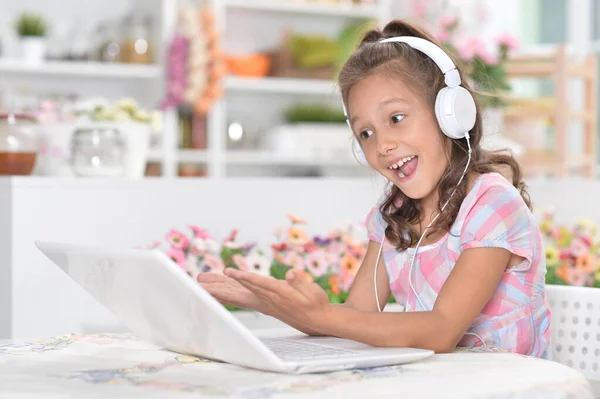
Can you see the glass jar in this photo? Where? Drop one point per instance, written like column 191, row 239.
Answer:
column 18, row 144
column 110, row 48
column 98, row 152
column 137, row 46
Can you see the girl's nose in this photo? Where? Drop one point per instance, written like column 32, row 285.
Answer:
column 386, row 146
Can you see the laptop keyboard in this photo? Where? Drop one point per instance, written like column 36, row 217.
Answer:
column 289, row 349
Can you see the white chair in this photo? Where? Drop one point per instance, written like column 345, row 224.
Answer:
column 576, row 329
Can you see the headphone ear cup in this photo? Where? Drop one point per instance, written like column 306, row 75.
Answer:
column 358, row 152
column 455, row 111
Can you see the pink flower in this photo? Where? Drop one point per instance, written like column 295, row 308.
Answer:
column 442, row 36
column 295, row 260
column 178, row 257
column 578, row 277
column 177, row 239
column 199, row 232
column 578, row 247
column 488, row 58
column 240, row 262
column 448, row 21
column 471, row 48
column 345, row 281
column 213, row 264
column 317, row 263
column 509, row 41
column 418, row 8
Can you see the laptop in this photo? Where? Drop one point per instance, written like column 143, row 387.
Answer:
column 160, row 303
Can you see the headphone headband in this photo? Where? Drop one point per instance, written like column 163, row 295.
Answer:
column 439, row 56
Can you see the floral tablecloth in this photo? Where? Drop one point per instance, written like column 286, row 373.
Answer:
column 123, row 366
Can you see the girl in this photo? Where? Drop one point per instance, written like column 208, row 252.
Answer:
column 453, row 240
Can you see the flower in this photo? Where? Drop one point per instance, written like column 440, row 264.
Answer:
column 572, row 252
column 509, row 41
column 295, row 220
column 199, row 232
column 551, row 255
column 240, row 262
column 330, row 260
column 448, row 21
column 178, row 257
column 317, row 263
column 296, row 236
column 350, row 265
column 213, row 264
column 258, row 264
column 295, row 260
column 177, row 239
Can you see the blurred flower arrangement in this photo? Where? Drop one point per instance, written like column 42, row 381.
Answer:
column 122, row 110
column 485, row 67
column 332, row 261
column 572, row 252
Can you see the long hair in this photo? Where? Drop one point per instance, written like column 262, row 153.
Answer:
column 422, row 75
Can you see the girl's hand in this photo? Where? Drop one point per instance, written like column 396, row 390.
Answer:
column 228, row 291
column 296, row 297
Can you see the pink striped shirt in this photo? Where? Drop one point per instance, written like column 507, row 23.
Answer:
column 493, row 214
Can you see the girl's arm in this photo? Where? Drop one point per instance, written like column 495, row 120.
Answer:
column 468, row 289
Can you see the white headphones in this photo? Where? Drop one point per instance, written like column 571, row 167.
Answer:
column 454, row 106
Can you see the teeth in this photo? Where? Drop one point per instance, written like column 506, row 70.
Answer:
column 401, row 162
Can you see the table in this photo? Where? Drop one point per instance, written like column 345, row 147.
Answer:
column 123, row 366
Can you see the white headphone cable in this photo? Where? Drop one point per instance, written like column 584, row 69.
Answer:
column 418, row 243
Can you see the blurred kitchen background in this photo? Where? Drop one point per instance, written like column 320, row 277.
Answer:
column 236, row 88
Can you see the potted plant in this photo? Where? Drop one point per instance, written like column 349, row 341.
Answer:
column 485, row 68
column 32, row 29
column 311, row 130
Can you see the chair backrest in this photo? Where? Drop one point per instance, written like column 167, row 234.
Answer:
column 576, row 327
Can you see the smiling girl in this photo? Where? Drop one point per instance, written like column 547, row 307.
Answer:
column 452, row 239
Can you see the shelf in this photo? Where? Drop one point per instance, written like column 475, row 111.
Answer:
column 180, row 155
column 256, row 157
column 192, row 156
column 282, row 85
column 82, row 69
column 361, row 11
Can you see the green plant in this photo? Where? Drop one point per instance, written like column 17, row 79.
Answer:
column 313, row 51
column 31, row 25
column 316, row 113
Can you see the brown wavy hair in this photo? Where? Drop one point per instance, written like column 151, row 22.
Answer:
column 422, row 75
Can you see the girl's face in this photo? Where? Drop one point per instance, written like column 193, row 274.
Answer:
column 399, row 134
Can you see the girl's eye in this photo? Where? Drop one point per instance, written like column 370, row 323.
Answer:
column 365, row 134
column 397, row 118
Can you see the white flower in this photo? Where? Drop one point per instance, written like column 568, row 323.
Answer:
column 259, row 264
column 199, row 245
column 211, row 245
column 192, row 265
column 232, row 245
column 129, row 104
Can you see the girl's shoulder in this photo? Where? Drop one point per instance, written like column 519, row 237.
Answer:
column 494, row 214
column 493, row 192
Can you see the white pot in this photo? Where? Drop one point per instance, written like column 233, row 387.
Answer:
column 33, row 49
column 310, row 140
